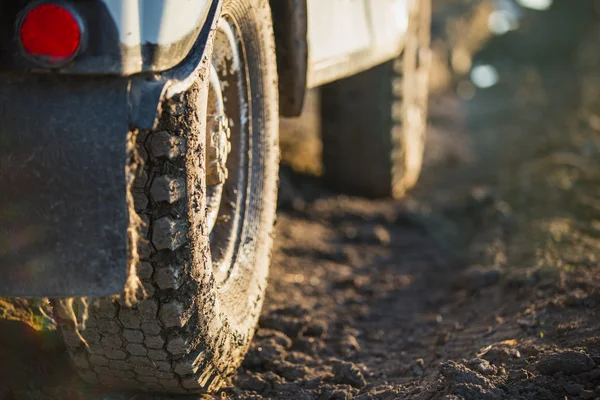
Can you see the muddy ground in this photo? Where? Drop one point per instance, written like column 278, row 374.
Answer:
column 482, row 284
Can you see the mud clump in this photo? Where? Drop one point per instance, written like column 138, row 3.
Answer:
column 500, row 353
column 469, row 384
column 348, row 373
column 348, row 346
column 458, row 373
column 483, row 367
column 289, row 320
column 568, row 362
column 338, row 392
column 263, row 355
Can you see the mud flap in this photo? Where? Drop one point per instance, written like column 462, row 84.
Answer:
column 63, row 211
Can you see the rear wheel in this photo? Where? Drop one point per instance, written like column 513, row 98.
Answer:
column 373, row 123
column 209, row 206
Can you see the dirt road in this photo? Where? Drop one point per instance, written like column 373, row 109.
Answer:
column 483, row 284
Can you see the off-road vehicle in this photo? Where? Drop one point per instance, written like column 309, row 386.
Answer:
column 139, row 161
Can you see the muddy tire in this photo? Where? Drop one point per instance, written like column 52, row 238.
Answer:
column 203, row 273
column 373, row 123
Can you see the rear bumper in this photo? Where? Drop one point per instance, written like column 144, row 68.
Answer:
column 63, row 212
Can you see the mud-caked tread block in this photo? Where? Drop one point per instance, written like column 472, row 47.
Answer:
column 136, row 349
column 145, row 249
column 106, row 308
column 116, row 354
column 148, row 309
column 129, row 318
column 140, row 362
column 168, row 233
column 157, row 355
column 107, row 326
column 164, row 145
column 133, row 335
column 144, row 270
column 140, row 201
column 151, row 328
column 178, row 345
column 140, row 181
column 120, row 365
column 163, row 366
column 169, row 277
column 96, row 349
column 173, row 314
column 113, row 341
column 167, row 189
column 154, row 342
column 165, row 375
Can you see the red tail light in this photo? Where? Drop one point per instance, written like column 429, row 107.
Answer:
column 50, row 33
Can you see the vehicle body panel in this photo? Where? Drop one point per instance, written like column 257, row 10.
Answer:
column 126, row 37
column 349, row 36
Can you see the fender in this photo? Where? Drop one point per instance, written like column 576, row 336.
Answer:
column 63, row 158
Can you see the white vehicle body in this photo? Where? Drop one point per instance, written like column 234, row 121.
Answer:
column 349, row 36
column 344, row 36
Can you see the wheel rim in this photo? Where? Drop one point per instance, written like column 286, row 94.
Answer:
column 228, row 144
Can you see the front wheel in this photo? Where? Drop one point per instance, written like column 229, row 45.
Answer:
column 208, row 202
column 373, row 123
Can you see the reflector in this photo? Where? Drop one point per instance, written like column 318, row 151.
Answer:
column 51, row 33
